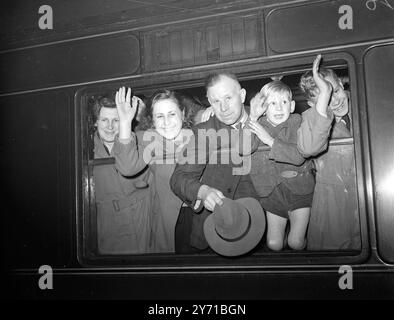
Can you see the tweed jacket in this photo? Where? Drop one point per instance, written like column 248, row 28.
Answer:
column 200, row 169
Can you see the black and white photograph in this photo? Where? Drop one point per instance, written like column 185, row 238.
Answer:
column 197, row 155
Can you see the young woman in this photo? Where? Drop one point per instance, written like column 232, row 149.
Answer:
column 168, row 123
column 123, row 208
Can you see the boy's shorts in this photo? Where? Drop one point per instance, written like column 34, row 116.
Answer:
column 282, row 200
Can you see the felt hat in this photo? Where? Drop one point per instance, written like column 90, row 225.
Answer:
column 235, row 227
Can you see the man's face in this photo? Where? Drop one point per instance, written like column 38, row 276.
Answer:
column 227, row 98
column 279, row 107
column 108, row 124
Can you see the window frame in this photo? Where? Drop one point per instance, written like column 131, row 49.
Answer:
column 378, row 116
column 178, row 262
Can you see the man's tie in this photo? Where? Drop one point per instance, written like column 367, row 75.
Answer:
column 240, row 138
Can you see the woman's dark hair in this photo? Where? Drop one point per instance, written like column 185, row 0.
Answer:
column 185, row 104
column 101, row 102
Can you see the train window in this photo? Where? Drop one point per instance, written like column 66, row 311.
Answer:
column 116, row 220
column 379, row 63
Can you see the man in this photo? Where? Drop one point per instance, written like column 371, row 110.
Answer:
column 203, row 184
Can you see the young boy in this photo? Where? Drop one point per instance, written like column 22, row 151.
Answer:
column 282, row 177
column 334, row 223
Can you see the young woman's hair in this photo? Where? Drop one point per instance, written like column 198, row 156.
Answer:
column 276, row 86
column 308, row 85
column 101, row 102
column 187, row 105
column 191, row 107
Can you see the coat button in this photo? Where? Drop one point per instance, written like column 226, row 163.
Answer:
column 289, row 174
column 229, row 190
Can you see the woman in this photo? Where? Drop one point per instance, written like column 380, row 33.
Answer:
column 123, row 209
column 168, row 123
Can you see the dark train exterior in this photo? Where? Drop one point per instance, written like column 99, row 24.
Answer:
column 48, row 76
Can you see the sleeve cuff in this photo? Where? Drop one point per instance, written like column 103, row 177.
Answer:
column 125, row 141
column 124, row 145
column 197, row 189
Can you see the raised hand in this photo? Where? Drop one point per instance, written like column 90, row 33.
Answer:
column 208, row 112
column 261, row 133
column 257, row 106
column 126, row 111
column 325, row 87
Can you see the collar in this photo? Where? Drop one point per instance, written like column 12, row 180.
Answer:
column 242, row 120
column 345, row 120
column 100, row 148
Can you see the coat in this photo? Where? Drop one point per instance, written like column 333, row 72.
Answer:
column 202, row 168
column 334, row 223
column 123, row 212
column 314, row 132
column 149, row 151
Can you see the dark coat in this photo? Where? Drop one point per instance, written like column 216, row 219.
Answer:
column 189, row 177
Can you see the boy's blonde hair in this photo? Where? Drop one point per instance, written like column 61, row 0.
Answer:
column 276, row 86
column 308, row 85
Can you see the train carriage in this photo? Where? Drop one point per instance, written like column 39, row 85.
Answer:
column 50, row 75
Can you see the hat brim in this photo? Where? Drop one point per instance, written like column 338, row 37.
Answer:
column 248, row 241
